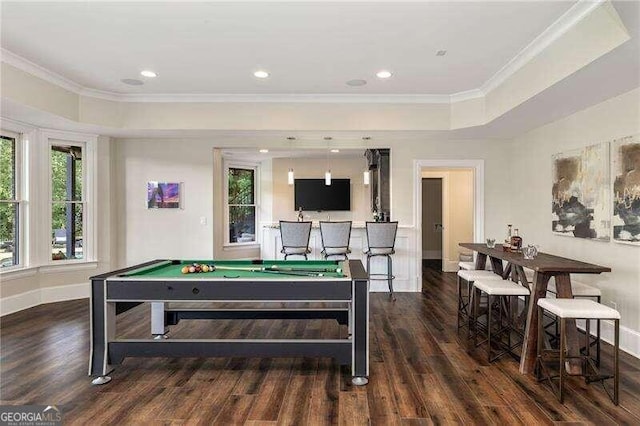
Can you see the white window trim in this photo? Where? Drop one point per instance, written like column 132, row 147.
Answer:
column 20, row 178
column 89, row 193
column 28, row 136
column 256, row 196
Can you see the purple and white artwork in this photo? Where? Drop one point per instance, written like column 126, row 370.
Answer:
column 581, row 203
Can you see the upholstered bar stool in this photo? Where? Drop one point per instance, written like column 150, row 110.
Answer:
column 507, row 290
column 470, row 266
column 465, row 279
column 576, row 309
column 335, row 239
column 381, row 241
column 467, row 266
column 295, row 238
column 580, row 291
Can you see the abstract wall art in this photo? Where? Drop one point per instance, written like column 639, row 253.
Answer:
column 581, row 203
column 163, row 195
column 626, row 190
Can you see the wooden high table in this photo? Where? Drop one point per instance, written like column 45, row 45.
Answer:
column 544, row 266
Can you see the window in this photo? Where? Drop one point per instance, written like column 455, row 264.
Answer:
column 9, row 200
column 241, row 204
column 67, row 200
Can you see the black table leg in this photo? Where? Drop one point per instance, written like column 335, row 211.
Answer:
column 360, row 332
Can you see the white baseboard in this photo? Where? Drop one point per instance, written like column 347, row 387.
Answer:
column 29, row 299
column 450, row 265
column 11, row 304
column 432, row 254
column 629, row 339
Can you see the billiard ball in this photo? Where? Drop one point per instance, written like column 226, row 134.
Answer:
column 192, row 269
column 205, row 268
column 185, row 270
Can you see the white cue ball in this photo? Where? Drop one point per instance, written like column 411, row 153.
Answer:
column 338, row 270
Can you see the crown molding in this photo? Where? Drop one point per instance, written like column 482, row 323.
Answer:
column 558, row 28
column 467, row 95
column 36, row 70
column 568, row 20
column 271, row 98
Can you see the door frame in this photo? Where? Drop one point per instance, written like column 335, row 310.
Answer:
column 477, row 165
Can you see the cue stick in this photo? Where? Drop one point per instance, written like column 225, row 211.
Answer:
column 275, row 268
column 267, row 270
column 294, row 269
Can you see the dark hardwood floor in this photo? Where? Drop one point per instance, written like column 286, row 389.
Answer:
column 420, row 374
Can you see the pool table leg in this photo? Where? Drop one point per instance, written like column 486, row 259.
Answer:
column 158, row 329
column 349, row 320
column 103, row 330
column 360, row 332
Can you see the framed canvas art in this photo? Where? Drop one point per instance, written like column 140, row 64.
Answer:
column 626, row 190
column 163, row 195
column 581, row 196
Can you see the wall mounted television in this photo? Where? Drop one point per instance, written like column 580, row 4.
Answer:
column 314, row 195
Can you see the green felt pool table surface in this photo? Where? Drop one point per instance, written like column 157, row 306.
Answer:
column 173, row 269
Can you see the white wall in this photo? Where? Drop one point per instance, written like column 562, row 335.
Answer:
column 494, row 153
column 282, row 201
column 164, row 233
column 177, row 233
column 530, row 186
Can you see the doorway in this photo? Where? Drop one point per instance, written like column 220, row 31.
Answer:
column 432, row 223
column 462, row 208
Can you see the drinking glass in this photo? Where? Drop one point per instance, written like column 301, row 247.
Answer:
column 491, row 242
column 530, row 251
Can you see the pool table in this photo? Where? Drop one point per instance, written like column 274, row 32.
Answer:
column 161, row 282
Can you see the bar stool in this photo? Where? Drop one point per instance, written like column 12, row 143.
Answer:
column 470, row 266
column 381, row 241
column 335, row 238
column 502, row 289
column 467, row 266
column 295, row 238
column 576, row 309
column 464, row 296
column 581, row 291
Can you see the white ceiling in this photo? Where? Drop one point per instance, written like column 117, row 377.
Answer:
column 308, row 47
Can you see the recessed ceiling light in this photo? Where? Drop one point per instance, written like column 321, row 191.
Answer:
column 335, row 151
column 291, row 138
column 261, row 74
column 148, row 73
column 356, row 82
column 366, row 138
column 383, row 74
column 132, row 81
column 441, row 52
column 264, row 151
column 328, row 138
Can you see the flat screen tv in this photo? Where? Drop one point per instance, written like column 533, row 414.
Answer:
column 314, row 195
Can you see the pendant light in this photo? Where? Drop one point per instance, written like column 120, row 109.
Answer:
column 366, row 175
column 327, row 174
column 290, row 177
